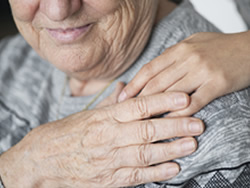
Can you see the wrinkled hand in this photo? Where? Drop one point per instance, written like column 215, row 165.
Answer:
column 206, row 65
column 106, row 147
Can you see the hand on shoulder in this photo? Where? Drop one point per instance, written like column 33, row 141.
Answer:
column 205, row 65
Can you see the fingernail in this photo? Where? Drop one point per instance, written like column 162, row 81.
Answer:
column 195, row 127
column 173, row 171
column 122, row 97
column 180, row 100
column 188, row 146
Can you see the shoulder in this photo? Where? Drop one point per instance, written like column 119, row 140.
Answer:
column 239, row 100
column 180, row 24
column 244, row 9
column 22, row 73
column 21, row 70
column 16, row 54
column 225, row 142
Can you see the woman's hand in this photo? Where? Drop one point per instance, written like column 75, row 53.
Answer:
column 206, row 66
column 106, row 147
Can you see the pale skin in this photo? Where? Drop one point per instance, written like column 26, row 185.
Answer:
column 113, row 145
column 90, row 149
column 205, row 65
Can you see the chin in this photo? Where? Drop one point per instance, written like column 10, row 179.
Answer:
column 73, row 61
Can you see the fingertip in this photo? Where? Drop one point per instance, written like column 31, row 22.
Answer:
column 196, row 127
column 122, row 97
column 181, row 100
column 173, row 170
column 188, row 145
column 169, row 171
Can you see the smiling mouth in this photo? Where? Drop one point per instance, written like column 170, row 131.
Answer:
column 70, row 35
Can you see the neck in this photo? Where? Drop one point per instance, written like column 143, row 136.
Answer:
column 90, row 87
column 86, row 88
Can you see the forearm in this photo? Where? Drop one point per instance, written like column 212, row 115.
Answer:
column 5, row 170
column 16, row 167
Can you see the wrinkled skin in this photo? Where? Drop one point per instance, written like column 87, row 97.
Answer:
column 118, row 35
column 113, row 145
column 104, row 147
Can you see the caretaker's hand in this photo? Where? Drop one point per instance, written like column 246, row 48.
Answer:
column 206, row 66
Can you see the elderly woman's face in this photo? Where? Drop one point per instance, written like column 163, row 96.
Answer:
column 87, row 39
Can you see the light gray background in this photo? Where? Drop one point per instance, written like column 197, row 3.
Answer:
column 223, row 13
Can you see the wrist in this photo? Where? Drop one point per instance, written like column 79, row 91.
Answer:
column 3, row 172
column 15, row 169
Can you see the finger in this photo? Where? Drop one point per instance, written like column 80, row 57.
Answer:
column 113, row 98
column 187, row 84
column 135, row 176
column 147, row 72
column 149, row 131
column 164, row 80
column 150, row 154
column 144, row 107
column 199, row 99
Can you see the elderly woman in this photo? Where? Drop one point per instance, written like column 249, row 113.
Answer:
column 94, row 45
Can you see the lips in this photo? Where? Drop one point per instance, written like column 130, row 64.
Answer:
column 69, row 35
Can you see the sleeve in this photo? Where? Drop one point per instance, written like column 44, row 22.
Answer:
column 225, row 144
column 13, row 126
column 244, row 9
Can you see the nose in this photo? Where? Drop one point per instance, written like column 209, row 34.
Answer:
column 59, row 10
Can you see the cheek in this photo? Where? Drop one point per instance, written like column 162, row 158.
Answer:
column 103, row 7
column 24, row 10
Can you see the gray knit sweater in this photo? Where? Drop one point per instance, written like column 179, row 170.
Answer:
column 244, row 9
column 31, row 95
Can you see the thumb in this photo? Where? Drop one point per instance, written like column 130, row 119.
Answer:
column 113, row 98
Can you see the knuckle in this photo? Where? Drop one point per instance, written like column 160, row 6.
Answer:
column 170, row 150
column 104, row 178
column 147, row 70
column 147, row 131
column 183, row 46
column 223, row 81
column 141, row 107
column 135, row 177
column 143, row 156
column 133, row 85
column 197, row 57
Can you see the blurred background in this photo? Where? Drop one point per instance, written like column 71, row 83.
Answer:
column 223, row 13
column 7, row 26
